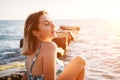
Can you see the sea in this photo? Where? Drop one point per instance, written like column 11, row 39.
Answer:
column 11, row 31
column 98, row 41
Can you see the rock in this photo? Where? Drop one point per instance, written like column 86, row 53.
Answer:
column 69, row 36
column 12, row 77
column 61, row 42
column 21, row 43
column 70, row 28
column 60, row 52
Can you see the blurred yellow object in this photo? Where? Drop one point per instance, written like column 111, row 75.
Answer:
column 12, row 65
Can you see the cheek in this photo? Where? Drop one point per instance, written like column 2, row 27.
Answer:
column 45, row 31
column 46, row 28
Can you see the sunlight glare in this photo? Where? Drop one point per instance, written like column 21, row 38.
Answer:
column 115, row 22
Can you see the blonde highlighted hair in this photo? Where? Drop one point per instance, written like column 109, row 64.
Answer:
column 29, row 40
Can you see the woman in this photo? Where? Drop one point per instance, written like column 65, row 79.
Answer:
column 41, row 52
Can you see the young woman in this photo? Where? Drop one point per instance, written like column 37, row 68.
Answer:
column 41, row 52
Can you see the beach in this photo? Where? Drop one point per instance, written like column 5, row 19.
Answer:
column 98, row 41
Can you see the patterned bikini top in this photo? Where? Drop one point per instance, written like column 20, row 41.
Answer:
column 29, row 74
column 59, row 67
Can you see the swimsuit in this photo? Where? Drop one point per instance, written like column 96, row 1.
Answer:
column 59, row 68
column 29, row 74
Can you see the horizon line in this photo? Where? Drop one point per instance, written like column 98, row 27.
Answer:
column 68, row 19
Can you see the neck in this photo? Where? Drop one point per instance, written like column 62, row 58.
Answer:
column 45, row 40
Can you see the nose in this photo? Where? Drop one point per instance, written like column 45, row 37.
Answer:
column 53, row 25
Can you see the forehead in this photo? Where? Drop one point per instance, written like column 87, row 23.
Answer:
column 44, row 17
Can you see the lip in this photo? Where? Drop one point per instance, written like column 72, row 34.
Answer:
column 53, row 31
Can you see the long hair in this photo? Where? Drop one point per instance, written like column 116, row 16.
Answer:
column 29, row 40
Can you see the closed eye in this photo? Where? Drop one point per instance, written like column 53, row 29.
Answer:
column 46, row 23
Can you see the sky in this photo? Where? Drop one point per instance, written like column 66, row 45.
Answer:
column 61, row 9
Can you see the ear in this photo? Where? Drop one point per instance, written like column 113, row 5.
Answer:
column 35, row 33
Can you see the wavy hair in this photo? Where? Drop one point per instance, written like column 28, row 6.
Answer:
column 29, row 40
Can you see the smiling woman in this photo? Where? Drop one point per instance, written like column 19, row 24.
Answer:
column 41, row 51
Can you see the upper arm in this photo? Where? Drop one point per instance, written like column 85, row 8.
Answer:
column 49, row 60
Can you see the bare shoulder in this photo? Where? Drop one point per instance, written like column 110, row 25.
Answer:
column 50, row 45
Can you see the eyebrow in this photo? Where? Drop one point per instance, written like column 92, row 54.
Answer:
column 45, row 21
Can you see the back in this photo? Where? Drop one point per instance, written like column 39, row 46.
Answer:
column 45, row 61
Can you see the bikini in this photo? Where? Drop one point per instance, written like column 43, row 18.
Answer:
column 59, row 68
column 29, row 74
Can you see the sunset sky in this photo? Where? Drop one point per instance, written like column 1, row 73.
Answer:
column 61, row 9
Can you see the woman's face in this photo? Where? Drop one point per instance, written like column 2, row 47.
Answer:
column 47, row 29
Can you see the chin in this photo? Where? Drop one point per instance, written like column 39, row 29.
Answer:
column 53, row 36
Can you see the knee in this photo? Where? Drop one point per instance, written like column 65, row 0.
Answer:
column 81, row 60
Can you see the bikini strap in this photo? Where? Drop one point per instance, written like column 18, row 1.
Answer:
column 35, row 57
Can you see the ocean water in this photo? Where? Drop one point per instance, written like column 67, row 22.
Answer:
column 11, row 31
column 98, row 41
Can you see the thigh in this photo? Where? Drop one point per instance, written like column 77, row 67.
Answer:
column 72, row 70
